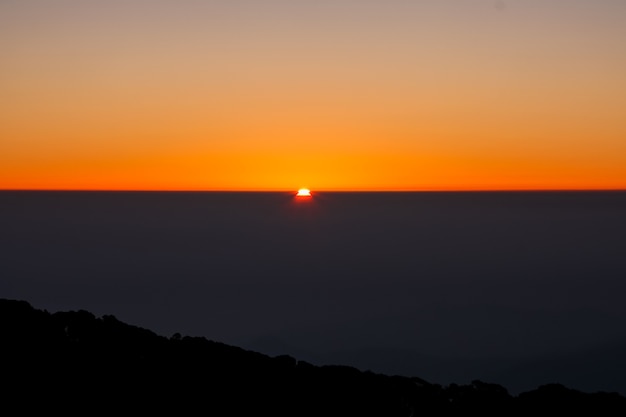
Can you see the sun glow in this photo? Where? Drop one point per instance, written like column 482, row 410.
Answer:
column 304, row 192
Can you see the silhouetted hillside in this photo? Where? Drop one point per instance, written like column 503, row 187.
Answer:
column 76, row 363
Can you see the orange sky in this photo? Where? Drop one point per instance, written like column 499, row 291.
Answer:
column 331, row 95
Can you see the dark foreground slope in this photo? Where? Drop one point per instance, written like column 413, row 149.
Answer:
column 74, row 362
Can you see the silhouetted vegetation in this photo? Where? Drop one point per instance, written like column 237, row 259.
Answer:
column 76, row 363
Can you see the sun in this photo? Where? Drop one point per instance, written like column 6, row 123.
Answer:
column 304, row 192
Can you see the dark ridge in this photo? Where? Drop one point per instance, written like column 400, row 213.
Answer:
column 76, row 363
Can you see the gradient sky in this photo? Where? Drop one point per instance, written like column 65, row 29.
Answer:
column 327, row 94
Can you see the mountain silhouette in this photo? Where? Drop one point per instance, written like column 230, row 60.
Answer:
column 76, row 363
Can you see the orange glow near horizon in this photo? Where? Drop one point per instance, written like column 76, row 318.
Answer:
column 389, row 96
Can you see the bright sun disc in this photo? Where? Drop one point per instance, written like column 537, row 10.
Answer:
column 304, row 192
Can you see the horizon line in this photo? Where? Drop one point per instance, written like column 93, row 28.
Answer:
column 313, row 191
